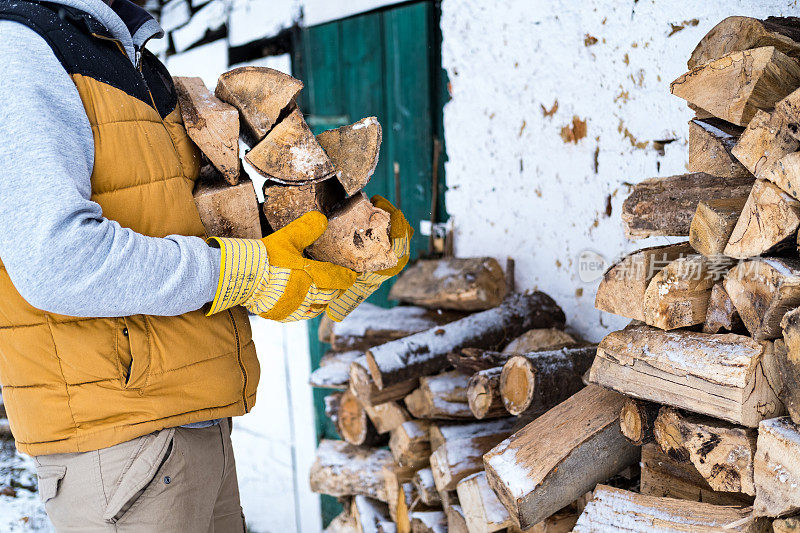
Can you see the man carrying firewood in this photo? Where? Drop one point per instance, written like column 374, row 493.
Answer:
column 117, row 377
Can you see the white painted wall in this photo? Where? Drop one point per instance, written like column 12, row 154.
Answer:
column 515, row 187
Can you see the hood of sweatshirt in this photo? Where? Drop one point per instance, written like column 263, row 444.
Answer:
column 126, row 22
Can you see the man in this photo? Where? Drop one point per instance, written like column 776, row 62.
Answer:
column 114, row 378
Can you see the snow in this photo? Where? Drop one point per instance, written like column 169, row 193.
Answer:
column 414, row 429
column 781, row 427
column 465, row 431
column 513, row 476
column 22, row 511
column 713, row 130
column 365, row 123
column 336, row 373
column 368, row 317
column 210, row 17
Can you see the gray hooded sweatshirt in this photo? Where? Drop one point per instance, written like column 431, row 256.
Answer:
column 60, row 252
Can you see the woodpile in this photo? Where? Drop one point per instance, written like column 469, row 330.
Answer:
column 688, row 419
column 304, row 172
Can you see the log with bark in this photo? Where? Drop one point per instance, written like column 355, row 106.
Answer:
column 472, row 360
column 787, row 357
column 227, row 210
column 768, row 222
column 353, row 150
column 341, row 469
column 370, row 515
column 763, row 290
column 442, row 432
column 410, row 443
column 636, row 419
column 483, row 394
column 536, row 382
column 428, row 522
column 560, row 456
column 734, row 34
column 483, row 511
column 368, row 392
column 678, row 296
column 641, row 513
column 721, row 314
column 334, row 370
column 426, row 352
column 721, row 453
column 386, row 416
column 260, row 94
column 537, row 340
column 777, row 468
column 736, row 85
column 710, row 144
column 212, row 124
column 443, row 397
column 464, row 284
column 664, row 476
column 713, row 223
column 370, row 325
column 665, row 206
column 722, row 376
column 622, row 289
column 458, row 458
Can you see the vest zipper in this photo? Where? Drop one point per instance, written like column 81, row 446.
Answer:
column 239, row 360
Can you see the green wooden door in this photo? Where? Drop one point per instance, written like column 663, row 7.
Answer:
column 385, row 64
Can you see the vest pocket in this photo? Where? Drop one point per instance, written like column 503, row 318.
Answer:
column 134, row 351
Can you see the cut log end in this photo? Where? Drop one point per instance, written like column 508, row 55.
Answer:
column 517, row 382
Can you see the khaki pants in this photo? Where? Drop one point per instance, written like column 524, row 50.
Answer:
column 174, row 480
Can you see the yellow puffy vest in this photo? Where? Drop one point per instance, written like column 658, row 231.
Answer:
column 77, row 384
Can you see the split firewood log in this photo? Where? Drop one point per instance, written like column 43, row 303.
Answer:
column 426, row 352
column 441, row 432
column 734, row 34
column 636, row 420
column 341, row 469
column 458, row 458
column 713, row 223
column 736, row 85
column 370, row 515
column 611, row 507
column 663, row 476
column 428, row 521
column 776, row 468
column 785, row 173
column 710, row 144
column 456, row 520
column 368, row 392
column 334, row 370
column 721, row 452
column 386, row 416
column 353, row 150
column 212, row 124
column 227, row 210
column 537, row 340
column 443, row 397
column 290, row 153
column 678, row 296
column 343, row 523
column 394, row 477
column 623, row 286
column 407, row 502
column 766, row 139
column 260, row 94
column 534, row 383
column 722, row 376
column 483, row 394
column 534, row 476
column 410, row 443
column 665, row 206
column 763, row 290
column 786, row 525
column 787, row 357
column 354, row 425
column 483, row 511
column 426, row 488
column 370, row 325
column 721, row 314
column 465, row 284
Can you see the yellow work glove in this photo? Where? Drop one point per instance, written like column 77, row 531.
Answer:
column 400, row 233
column 271, row 278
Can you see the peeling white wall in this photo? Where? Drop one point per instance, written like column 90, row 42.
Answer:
column 516, row 188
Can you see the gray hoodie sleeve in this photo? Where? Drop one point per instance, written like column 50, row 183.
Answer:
column 60, row 253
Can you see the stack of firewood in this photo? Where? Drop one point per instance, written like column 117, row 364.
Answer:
column 442, row 379
column 681, row 422
column 303, row 172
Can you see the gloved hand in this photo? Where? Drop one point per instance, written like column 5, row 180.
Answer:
column 271, row 278
column 400, row 233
